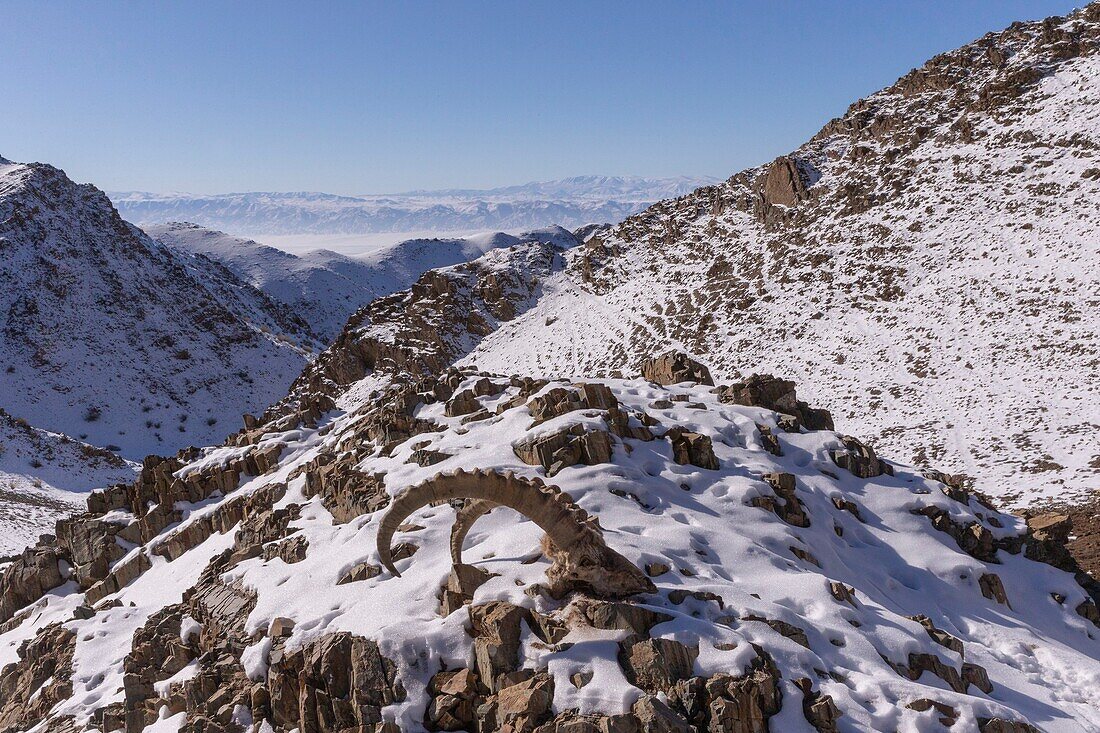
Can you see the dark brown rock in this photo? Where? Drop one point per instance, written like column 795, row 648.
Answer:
column 772, row 393
column 692, row 448
column 656, row 664
column 859, row 459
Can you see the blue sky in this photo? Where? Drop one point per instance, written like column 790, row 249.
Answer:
column 380, row 97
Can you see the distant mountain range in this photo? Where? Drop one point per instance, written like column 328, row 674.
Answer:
column 569, row 202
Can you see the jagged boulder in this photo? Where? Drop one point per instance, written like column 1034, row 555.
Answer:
column 563, row 448
column 732, row 704
column 655, row 665
column 674, row 367
column 455, row 696
column 692, row 448
column 336, row 683
column 519, row 708
column 772, row 393
column 860, row 459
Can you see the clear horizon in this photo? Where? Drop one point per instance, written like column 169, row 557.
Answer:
column 207, row 98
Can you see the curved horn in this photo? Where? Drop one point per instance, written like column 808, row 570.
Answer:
column 470, row 512
column 548, row 507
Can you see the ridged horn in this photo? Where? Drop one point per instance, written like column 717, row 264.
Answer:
column 552, row 511
column 470, row 512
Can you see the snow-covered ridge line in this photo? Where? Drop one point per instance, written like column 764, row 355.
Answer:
column 933, row 252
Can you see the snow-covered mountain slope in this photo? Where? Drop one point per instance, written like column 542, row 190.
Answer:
column 932, row 253
column 570, row 202
column 110, row 337
column 325, row 288
column 45, row 476
column 775, row 578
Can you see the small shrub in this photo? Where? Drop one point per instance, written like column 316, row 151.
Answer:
column 91, row 414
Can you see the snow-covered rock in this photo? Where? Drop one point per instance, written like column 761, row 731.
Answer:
column 787, row 589
column 44, row 476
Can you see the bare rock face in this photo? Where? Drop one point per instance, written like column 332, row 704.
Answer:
column 346, row 492
column 731, row 704
column 33, row 573
column 38, row 681
column 782, row 185
column 655, row 665
column 819, row 710
column 567, row 447
column 454, row 699
column 461, row 584
column 619, row 616
column 560, row 401
column 158, row 652
column 692, row 448
column 674, row 367
column 496, row 628
column 521, row 707
column 339, row 682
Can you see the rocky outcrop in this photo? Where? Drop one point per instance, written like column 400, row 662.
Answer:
column 789, row 507
column 860, row 459
column 737, row 704
column 692, row 448
column 567, row 447
column 772, row 393
column 29, row 576
column 339, row 682
column 674, row 367
column 30, row 687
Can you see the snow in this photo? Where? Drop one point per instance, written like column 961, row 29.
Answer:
column 1043, row 659
column 112, row 339
column 44, row 476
